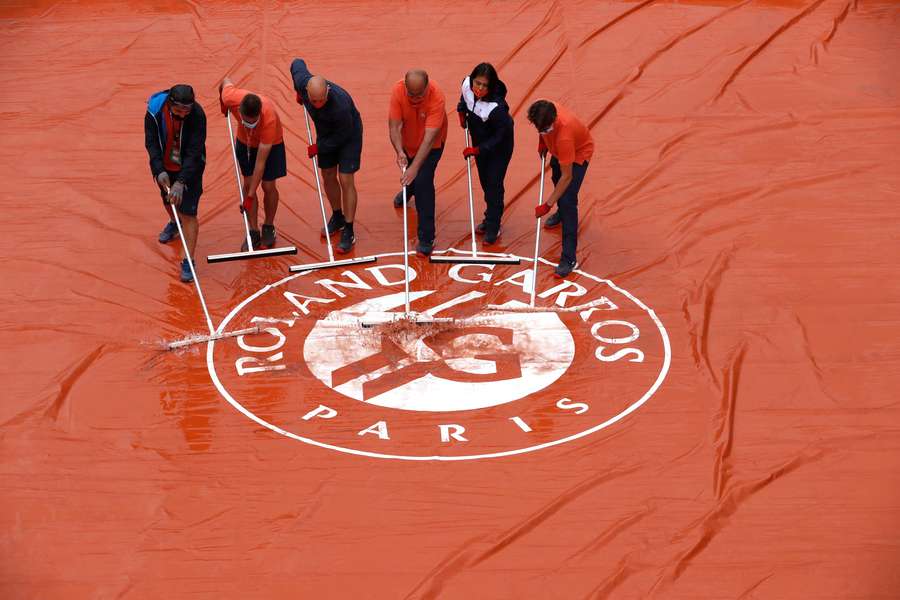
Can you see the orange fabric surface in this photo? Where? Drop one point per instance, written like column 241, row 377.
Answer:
column 570, row 141
column 429, row 113
column 269, row 129
column 721, row 422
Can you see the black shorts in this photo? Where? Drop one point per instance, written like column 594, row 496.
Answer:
column 189, row 199
column 276, row 163
column 346, row 156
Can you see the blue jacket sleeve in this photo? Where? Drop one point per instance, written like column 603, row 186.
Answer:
column 151, row 142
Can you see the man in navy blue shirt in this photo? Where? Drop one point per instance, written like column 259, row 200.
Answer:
column 338, row 145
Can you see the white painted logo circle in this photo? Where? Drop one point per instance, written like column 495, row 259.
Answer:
column 492, row 384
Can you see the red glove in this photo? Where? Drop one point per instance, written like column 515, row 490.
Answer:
column 222, row 107
column 540, row 210
column 312, row 150
column 542, row 147
column 247, row 204
column 462, row 119
column 470, row 151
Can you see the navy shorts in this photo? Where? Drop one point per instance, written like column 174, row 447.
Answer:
column 276, row 164
column 189, row 199
column 346, row 156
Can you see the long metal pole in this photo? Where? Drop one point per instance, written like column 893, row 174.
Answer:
column 237, row 173
column 537, row 235
column 319, row 187
column 187, row 255
column 405, row 249
column 471, row 202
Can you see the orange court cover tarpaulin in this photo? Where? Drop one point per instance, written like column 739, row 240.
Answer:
column 706, row 408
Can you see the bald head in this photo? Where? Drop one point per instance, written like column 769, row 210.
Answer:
column 317, row 89
column 416, row 81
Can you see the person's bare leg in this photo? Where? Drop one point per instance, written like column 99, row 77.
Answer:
column 270, row 201
column 348, row 189
column 191, row 227
column 332, row 188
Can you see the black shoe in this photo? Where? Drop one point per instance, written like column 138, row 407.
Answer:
column 254, row 237
column 335, row 224
column 553, row 221
column 564, row 268
column 268, row 236
column 425, row 249
column 490, row 237
column 480, row 228
column 347, row 240
column 398, row 199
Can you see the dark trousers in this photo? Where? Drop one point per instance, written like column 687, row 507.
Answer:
column 422, row 188
column 491, row 173
column 568, row 207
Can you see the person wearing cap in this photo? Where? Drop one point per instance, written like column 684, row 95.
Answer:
column 417, row 123
column 338, row 145
column 260, row 154
column 175, row 138
column 483, row 108
column 571, row 146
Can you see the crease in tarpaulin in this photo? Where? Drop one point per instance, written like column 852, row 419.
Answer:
column 471, row 555
column 811, row 359
column 615, row 20
column 821, row 45
column 612, row 532
column 723, row 438
column 761, row 47
column 746, row 593
column 698, row 328
column 716, row 519
column 52, row 406
column 622, row 571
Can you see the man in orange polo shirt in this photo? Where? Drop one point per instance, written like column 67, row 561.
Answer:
column 417, row 122
column 260, row 153
column 571, row 146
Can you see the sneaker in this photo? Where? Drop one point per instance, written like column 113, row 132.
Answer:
column 186, row 275
column 553, row 221
column 268, row 236
column 398, row 199
column 347, row 241
column 254, row 237
column 564, row 268
column 335, row 224
column 490, row 237
column 480, row 228
column 169, row 233
column 425, row 249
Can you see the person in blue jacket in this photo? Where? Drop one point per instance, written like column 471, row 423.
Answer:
column 175, row 138
column 483, row 108
column 338, row 145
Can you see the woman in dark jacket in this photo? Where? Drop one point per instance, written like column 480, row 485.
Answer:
column 483, row 108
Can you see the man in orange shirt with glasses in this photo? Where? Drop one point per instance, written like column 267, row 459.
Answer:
column 260, row 154
column 417, row 123
column 571, row 147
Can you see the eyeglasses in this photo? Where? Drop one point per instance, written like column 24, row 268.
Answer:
column 183, row 105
